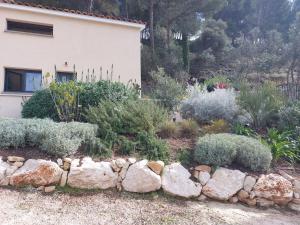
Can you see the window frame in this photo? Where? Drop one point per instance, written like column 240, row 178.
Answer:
column 28, row 32
column 24, row 70
column 66, row 73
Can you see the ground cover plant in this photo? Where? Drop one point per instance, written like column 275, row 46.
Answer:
column 58, row 139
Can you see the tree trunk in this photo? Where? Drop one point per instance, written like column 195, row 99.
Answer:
column 185, row 52
column 151, row 19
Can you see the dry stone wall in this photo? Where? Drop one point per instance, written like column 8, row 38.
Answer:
column 147, row 176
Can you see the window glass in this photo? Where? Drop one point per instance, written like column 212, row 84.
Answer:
column 30, row 28
column 22, row 80
column 63, row 77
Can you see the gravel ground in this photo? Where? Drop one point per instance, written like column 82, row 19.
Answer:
column 32, row 208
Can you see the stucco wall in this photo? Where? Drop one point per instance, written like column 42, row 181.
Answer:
column 85, row 44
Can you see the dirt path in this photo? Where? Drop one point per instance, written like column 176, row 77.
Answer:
column 32, row 208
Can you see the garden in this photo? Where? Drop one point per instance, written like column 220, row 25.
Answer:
column 219, row 122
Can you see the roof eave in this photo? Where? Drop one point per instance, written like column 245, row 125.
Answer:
column 71, row 15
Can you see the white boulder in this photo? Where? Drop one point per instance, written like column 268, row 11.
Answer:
column 6, row 170
column 176, row 181
column 249, row 183
column 224, row 184
column 91, row 175
column 140, row 179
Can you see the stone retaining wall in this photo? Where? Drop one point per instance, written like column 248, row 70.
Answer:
column 147, row 176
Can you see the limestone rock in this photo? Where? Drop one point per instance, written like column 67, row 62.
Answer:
column 234, row 200
column 114, row 166
column 243, row 195
column 275, row 188
column 157, row 167
column 140, row 179
column 249, row 183
column 64, row 178
column 60, row 162
column 6, row 170
column 124, row 170
column 297, row 186
column 91, row 175
column 176, row 181
column 41, row 188
column 202, row 198
column 296, row 201
column 131, row 160
column 264, row 203
column 49, row 189
column 36, row 173
column 203, row 177
column 224, row 184
column 18, row 164
column 15, row 159
column 203, row 168
column 296, row 195
column 250, row 202
column 121, row 163
column 286, row 176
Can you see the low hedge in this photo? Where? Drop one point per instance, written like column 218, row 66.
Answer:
column 224, row 149
column 54, row 138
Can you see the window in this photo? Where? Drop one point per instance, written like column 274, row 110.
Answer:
column 63, row 77
column 30, row 27
column 17, row 80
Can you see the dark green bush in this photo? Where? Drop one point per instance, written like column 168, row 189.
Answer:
column 96, row 147
column 289, row 116
column 224, row 149
column 126, row 146
column 40, row 105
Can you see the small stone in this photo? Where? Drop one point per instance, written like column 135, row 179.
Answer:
column 18, row 164
column 63, row 180
column 68, row 160
column 203, row 177
column 202, row 198
column 243, row 195
column 294, row 207
column 296, row 195
column 156, row 167
column 60, row 162
column 49, row 189
column 203, row 168
column 252, row 195
column 296, row 185
column 114, row 166
column 41, row 188
column 233, row 200
column 250, row 202
column 286, row 176
column 249, row 183
column 120, row 163
column 196, row 174
column 264, row 203
column 131, row 160
column 296, row 201
column 66, row 166
column 15, row 159
column 124, row 170
column 119, row 186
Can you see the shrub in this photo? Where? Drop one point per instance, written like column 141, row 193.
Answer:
column 224, row 149
column 152, row 147
column 185, row 157
column 188, row 128
column 54, row 138
column 262, row 103
column 166, row 89
column 217, row 127
column 240, row 129
column 40, row 105
column 96, row 147
column 289, row 116
column 168, row 130
column 126, row 147
column 205, row 107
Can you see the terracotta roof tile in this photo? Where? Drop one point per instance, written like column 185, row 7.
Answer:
column 71, row 11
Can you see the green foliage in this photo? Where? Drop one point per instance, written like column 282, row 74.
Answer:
column 54, row 138
column 283, row 145
column 168, row 130
column 185, row 157
column 96, row 147
column 262, row 103
column 240, row 129
column 66, row 100
column 126, row 146
column 217, row 127
column 152, row 147
column 224, row 149
column 166, row 89
column 40, row 105
column 188, row 128
column 289, row 116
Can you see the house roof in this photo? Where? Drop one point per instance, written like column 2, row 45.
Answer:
column 75, row 12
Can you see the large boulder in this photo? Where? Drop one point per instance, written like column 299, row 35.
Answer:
column 140, row 179
column 6, row 170
column 275, row 188
column 37, row 173
column 224, row 184
column 176, row 181
column 91, row 175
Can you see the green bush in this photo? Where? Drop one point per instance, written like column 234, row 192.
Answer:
column 40, row 105
column 262, row 103
column 96, row 147
column 185, row 157
column 168, row 130
column 188, row 128
column 54, row 138
column 152, row 147
column 289, row 116
column 126, row 146
column 225, row 149
column 166, row 89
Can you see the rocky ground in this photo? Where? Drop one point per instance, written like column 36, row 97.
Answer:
column 109, row 207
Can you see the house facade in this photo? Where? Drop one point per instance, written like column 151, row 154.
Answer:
column 38, row 43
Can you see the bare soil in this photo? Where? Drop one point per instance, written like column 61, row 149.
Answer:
column 110, row 207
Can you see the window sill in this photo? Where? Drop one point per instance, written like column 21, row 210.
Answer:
column 16, row 94
column 27, row 33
